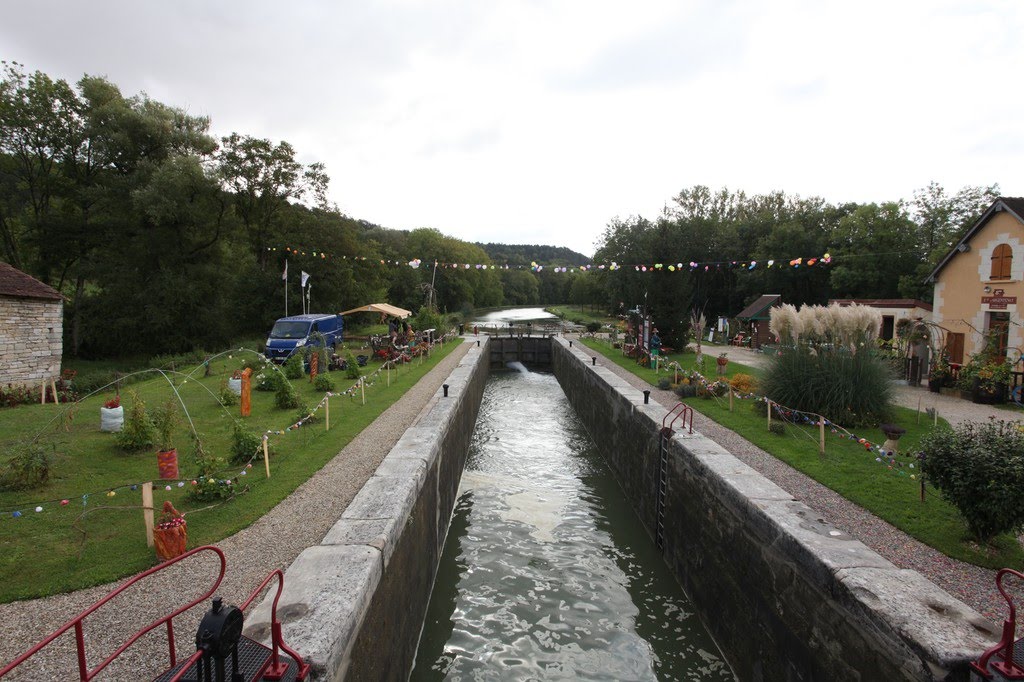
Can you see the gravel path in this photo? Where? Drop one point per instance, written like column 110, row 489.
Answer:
column 973, row 585
column 299, row 521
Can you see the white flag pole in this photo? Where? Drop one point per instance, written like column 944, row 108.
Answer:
column 285, row 287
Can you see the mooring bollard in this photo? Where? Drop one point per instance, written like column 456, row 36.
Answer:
column 478, row 343
column 445, row 387
column 570, row 344
column 593, row 360
column 647, row 397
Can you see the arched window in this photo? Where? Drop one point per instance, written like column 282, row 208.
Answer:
column 1001, row 258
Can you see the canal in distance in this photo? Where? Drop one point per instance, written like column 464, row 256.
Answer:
column 547, row 573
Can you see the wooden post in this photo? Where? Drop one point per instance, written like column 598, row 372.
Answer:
column 147, row 511
column 769, row 401
column 266, row 456
column 42, row 392
column 314, row 365
column 821, row 431
column 362, row 388
column 327, row 413
column 675, row 375
column 936, row 422
column 53, row 385
column 918, row 410
column 389, row 374
column 246, row 398
column 730, row 397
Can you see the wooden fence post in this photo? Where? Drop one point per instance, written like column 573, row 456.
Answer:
column 266, row 456
column 821, row 430
column 327, row 413
column 769, row 401
column 730, row 397
column 147, row 511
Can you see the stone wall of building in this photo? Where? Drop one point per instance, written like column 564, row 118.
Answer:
column 31, row 340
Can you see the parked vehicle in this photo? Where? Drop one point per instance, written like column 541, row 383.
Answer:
column 291, row 334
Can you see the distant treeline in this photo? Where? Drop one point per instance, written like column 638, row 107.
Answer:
column 163, row 238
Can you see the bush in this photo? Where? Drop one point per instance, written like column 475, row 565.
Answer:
column 979, row 469
column 293, row 367
column 664, row 384
column 226, row 396
column 686, row 390
column 211, row 489
column 17, row 395
column 286, row 398
column 302, row 414
column 352, row 370
column 743, row 383
column 593, row 326
column 244, row 444
column 777, row 427
column 270, row 379
column 28, row 468
column 323, row 382
column 760, row 408
column 165, row 419
column 847, row 388
column 138, row 431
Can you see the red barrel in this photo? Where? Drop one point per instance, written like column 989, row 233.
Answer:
column 167, row 463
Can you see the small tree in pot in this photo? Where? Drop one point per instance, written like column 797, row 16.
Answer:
column 165, row 419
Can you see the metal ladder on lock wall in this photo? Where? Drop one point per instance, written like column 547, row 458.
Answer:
column 680, row 411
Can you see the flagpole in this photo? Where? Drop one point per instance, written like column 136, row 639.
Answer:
column 286, row 287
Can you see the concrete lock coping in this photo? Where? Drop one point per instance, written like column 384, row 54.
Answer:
column 329, row 587
column 908, row 611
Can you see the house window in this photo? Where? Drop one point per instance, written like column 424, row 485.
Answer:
column 1001, row 258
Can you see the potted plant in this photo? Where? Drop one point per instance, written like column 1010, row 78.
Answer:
column 112, row 415
column 170, row 535
column 165, row 419
column 940, row 373
column 722, row 361
column 990, row 383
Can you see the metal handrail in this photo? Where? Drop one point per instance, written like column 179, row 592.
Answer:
column 1004, row 647
column 684, row 410
column 83, row 669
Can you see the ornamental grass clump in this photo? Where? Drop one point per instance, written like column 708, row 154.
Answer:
column 979, row 469
column 826, row 364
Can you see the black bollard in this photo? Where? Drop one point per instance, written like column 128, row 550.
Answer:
column 478, row 343
column 647, row 397
column 593, row 360
column 570, row 344
column 445, row 387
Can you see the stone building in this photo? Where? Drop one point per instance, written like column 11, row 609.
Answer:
column 31, row 328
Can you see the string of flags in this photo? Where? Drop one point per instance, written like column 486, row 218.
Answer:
column 169, row 485
column 691, row 266
column 794, row 416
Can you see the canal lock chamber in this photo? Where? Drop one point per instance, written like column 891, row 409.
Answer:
column 780, row 591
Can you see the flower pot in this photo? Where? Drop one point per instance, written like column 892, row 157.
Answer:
column 986, row 396
column 235, row 386
column 170, row 536
column 111, row 419
column 167, row 463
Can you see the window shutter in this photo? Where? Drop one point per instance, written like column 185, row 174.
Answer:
column 1001, row 259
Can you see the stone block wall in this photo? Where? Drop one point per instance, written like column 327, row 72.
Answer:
column 786, row 596
column 354, row 605
column 31, row 340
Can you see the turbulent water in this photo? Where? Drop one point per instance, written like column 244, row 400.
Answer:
column 547, row 573
column 514, row 315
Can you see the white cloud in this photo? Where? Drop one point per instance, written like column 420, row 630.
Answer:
column 529, row 121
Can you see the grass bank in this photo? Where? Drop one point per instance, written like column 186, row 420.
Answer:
column 891, row 492
column 96, row 537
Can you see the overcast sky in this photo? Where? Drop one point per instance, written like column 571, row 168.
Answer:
column 539, row 121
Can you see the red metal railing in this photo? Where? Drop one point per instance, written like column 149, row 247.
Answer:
column 1004, row 648
column 83, row 669
column 683, row 412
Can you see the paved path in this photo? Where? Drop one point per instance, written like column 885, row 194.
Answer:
column 299, row 521
column 971, row 584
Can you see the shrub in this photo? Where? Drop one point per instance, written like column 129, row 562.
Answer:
column 664, row 384
column 777, row 427
column 847, row 388
column 302, row 414
column 293, row 367
column 17, row 395
column 686, row 390
column 211, row 489
column 743, row 383
column 286, row 398
column 138, row 432
column 244, row 444
column 165, row 419
column 352, row 371
column 256, row 364
column 760, row 407
column 28, row 468
column 323, row 382
column 270, row 379
column 226, row 396
column 979, row 469
column 593, row 326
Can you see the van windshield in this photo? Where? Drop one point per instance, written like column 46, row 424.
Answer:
column 289, row 330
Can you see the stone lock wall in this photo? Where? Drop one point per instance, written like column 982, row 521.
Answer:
column 787, row 596
column 31, row 340
column 354, row 605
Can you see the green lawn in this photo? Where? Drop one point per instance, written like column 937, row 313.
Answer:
column 99, row 538
column 847, row 467
column 580, row 314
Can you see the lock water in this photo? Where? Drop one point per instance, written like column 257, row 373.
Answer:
column 547, row 573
